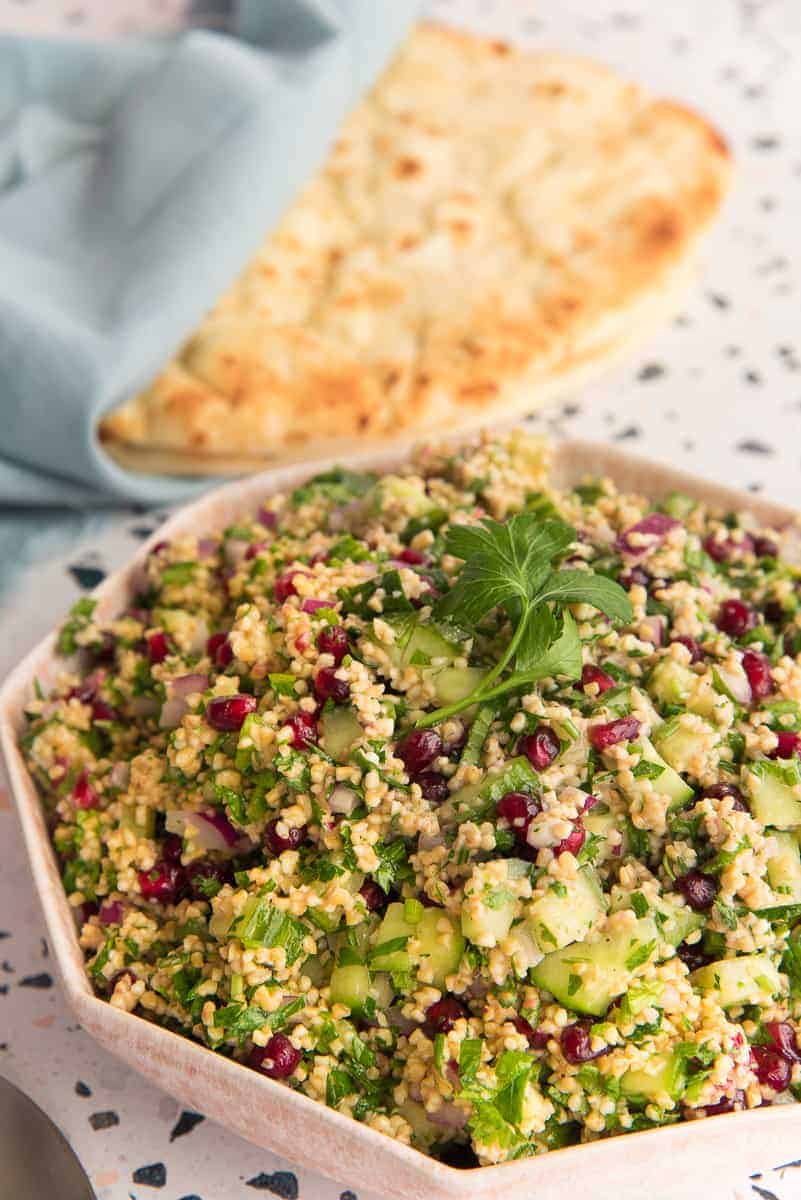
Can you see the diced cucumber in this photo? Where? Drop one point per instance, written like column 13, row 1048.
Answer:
column 471, row 802
column 419, row 644
column 608, row 966
column 397, row 493
column 442, row 949
column 331, row 920
column 340, row 730
column 773, row 798
column 489, row 905
column 662, row 1077
column 668, row 782
column 784, row 869
column 600, row 822
column 567, row 912
column 679, row 505
column 732, row 682
column 671, row 682
column 350, row 986
column 750, row 979
column 679, row 745
column 705, row 700
column 523, row 950
column 676, row 921
column 452, row 684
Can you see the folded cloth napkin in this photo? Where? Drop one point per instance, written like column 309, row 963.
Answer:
column 135, row 181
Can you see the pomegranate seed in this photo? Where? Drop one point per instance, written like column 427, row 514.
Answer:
column 433, row 786
column 255, row 548
column 333, row 640
column 540, row 747
column 518, row 810
column 537, row 1038
column 726, row 1105
column 219, row 650
column 277, row 1060
column 101, row 711
column 304, row 730
column 414, row 558
column 84, row 794
column 328, row 687
column 284, row 586
column 770, row 1068
column 207, row 869
column 89, row 908
column 693, row 956
column 373, row 896
column 277, row 842
column 591, row 674
column 574, row 840
column 757, row 668
column 159, row 546
column 104, row 652
column 774, row 612
column 718, row 549
column 157, row 647
column 765, row 547
column 576, row 1043
column 787, row 745
column 735, row 618
column 418, row 750
column 444, row 1013
column 172, row 848
column 719, row 790
column 698, row 890
column 784, row 1040
column 227, row 713
column 696, row 653
column 163, row 883
column 624, row 729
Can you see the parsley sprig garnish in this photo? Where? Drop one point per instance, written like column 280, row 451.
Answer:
column 512, row 565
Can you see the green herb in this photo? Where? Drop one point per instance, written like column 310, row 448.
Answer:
column 356, row 600
column 726, row 914
column 510, row 566
column 338, row 1085
column 80, row 616
column 337, row 485
column 647, row 770
column 639, row 903
column 263, row 925
column 283, row 685
column 393, row 865
column 178, row 573
column 640, row 954
column 469, row 1059
column 348, row 549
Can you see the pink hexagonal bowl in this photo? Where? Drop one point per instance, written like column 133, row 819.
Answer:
column 686, row 1160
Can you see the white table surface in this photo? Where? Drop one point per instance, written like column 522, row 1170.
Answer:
column 717, row 392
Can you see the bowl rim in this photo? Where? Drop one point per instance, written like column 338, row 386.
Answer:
column 570, row 457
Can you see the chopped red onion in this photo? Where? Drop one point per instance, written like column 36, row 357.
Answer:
column 207, row 547
column 310, row 606
column 448, row 1116
column 655, row 525
column 654, row 629
column 268, row 518
column 223, row 826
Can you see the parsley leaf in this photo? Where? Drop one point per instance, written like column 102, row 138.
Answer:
column 510, row 566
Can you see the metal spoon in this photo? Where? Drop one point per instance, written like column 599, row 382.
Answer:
column 36, row 1161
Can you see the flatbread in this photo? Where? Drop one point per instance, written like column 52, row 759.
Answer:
column 491, row 227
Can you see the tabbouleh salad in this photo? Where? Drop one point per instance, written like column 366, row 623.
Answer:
column 463, row 805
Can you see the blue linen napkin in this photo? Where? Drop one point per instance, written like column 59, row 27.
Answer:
column 135, row 181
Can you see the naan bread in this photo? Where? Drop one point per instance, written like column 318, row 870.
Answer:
column 492, row 227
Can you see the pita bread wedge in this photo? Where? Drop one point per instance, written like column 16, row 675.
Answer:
column 492, row 227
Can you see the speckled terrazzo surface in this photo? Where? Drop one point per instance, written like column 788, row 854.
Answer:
column 718, row 392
